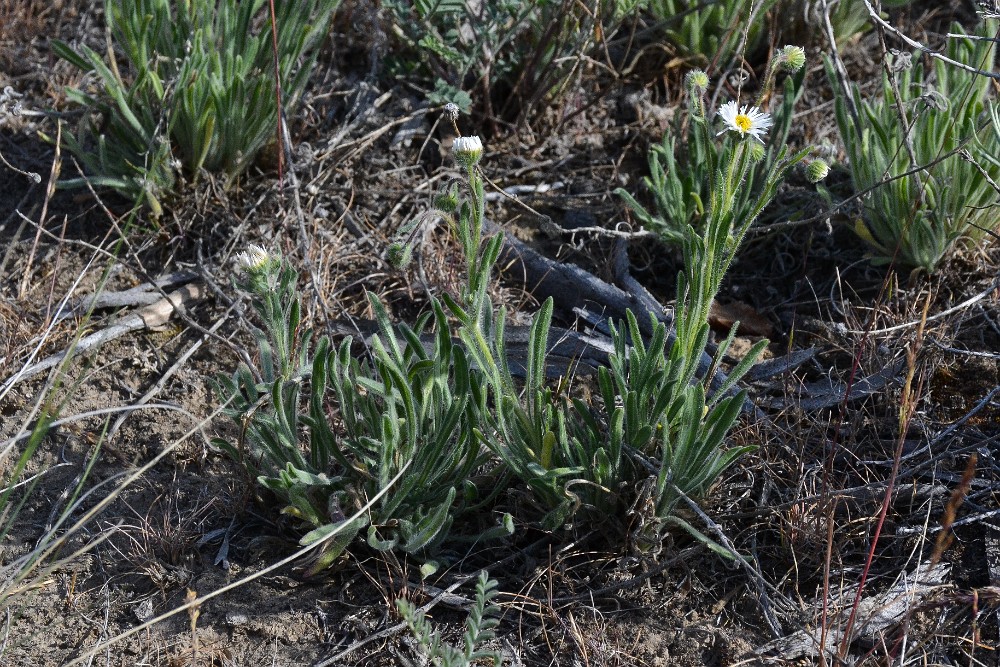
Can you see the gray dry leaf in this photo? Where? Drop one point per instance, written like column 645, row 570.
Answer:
column 875, row 616
column 993, row 554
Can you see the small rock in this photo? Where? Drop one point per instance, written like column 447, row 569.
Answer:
column 143, row 610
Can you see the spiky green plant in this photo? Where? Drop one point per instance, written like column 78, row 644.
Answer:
column 573, row 457
column 196, row 90
column 479, row 628
column 407, row 411
column 905, row 153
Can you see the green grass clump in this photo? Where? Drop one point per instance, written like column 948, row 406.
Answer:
column 521, row 55
column 196, row 90
column 924, row 155
column 708, row 33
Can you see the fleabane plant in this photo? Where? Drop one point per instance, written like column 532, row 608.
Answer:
column 657, row 430
column 196, row 89
column 435, row 419
column 405, row 432
column 732, row 204
column 683, row 166
column 669, row 416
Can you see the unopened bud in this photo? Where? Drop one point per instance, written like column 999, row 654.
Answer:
column 447, row 202
column 254, row 259
column 792, row 58
column 468, row 150
column 399, row 255
column 817, row 170
column 696, row 81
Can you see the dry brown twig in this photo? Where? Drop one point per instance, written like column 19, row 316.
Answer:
column 150, row 317
column 877, row 18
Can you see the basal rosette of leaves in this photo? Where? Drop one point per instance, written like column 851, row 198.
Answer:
column 710, row 32
column 406, row 433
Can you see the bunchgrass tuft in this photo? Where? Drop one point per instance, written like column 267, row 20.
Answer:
column 923, row 154
column 195, row 92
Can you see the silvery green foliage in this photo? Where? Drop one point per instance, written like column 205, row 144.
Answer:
column 479, row 628
column 926, row 184
column 710, row 32
column 656, row 424
column 196, row 90
column 657, row 411
column 413, row 418
column 683, row 166
column 407, row 431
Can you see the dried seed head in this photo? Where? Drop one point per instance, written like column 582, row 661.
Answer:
column 451, row 110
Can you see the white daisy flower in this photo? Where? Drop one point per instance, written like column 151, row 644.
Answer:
column 253, row 259
column 745, row 120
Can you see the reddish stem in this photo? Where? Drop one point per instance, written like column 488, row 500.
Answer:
column 277, row 95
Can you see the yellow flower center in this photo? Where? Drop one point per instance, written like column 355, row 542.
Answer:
column 743, row 122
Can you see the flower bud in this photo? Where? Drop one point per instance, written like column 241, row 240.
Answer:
column 696, row 82
column 817, row 170
column 255, row 266
column 447, row 202
column 757, row 151
column 253, row 260
column 468, row 151
column 399, row 255
column 792, row 58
